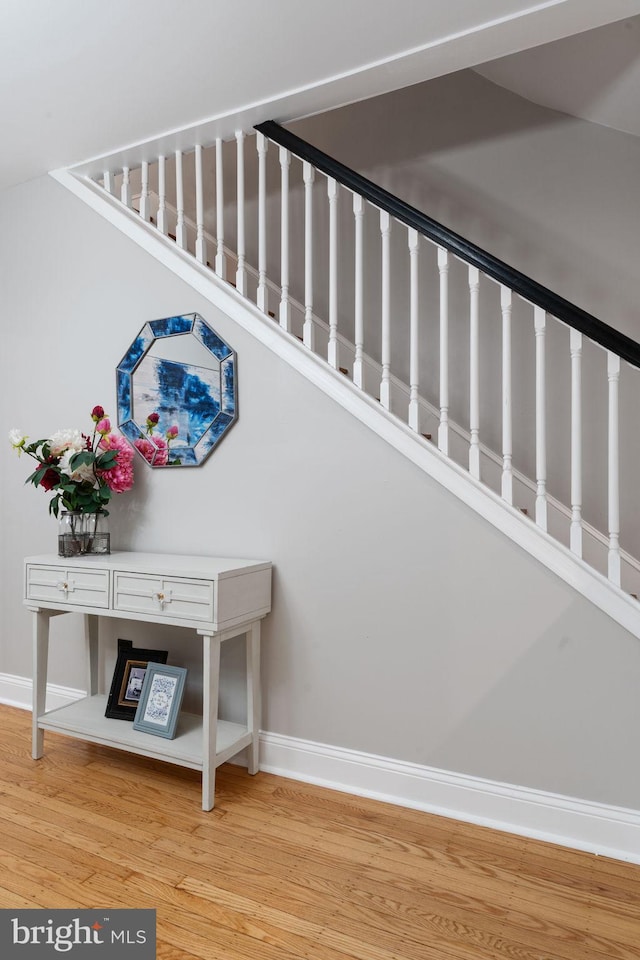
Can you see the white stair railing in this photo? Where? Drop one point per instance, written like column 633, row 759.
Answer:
column 453, row 342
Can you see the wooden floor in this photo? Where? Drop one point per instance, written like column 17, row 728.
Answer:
column 284, row 870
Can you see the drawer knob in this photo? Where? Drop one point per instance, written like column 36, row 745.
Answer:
column 162, row 598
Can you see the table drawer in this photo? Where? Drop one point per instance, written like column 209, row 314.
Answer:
column 69, row 585
column 172, row 597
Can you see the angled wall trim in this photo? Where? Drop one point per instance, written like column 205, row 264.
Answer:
column 488, row 34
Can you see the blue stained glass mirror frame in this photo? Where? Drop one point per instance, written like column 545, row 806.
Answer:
column 181, row 371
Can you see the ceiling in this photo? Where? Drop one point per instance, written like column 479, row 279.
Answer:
column 84, row 78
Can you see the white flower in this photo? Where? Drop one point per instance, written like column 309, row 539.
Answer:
column 17, row 439
column 66, row 440
column 81, row 473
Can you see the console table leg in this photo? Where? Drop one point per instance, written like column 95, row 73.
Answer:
column 210, row 685
column 40, row 656
column 253, row 695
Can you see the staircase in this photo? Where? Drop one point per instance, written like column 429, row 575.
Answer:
column 481, row 376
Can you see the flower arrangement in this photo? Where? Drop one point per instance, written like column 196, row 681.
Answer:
column 82, row 470
column 155, row 447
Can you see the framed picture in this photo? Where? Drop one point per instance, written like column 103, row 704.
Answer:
column 160, row 701
column 128, row 679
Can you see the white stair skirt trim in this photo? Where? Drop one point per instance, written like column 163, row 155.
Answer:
column 578, row 824
column 581, row 825
column 621, row 607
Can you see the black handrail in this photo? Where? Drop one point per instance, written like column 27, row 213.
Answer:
column 524, row 286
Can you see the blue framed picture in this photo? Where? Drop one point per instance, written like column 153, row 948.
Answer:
column 160, row 700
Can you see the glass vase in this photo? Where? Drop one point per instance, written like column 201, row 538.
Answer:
column 82, row 533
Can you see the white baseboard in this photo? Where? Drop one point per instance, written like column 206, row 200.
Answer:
column 16, row 692
column 579, row 824
column 582, row 825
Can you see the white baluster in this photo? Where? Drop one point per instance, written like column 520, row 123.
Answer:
column 414, row 366
column 262, row 146
column 107, row 181
column 358, row 213
column 443, row 428
column 540, row 323
column 125, row 189
column 201, row 243
column 613, row 374
column 332, row 349
column 221, row 265
column 181, row 227
column 308, row 332
column 162, row 196
column 507, row 412
column 285, row 307
column 474, row 372
column 575, row 536
column 241, row 271
column 144, row 191
column 385, row 382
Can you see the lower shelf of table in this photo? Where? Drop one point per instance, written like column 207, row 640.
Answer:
column 85, row 720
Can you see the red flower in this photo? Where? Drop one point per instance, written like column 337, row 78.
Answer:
column 97, row 414
column 50, row 479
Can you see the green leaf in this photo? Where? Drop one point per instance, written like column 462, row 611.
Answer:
column 32, row 448
column 106, row 460
column 79, row 459
column 36, row 477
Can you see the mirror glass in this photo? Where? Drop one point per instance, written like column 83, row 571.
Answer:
column 177, row 391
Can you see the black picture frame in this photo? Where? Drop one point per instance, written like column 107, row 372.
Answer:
column 128, row 678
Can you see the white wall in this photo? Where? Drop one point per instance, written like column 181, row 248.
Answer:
column 403, row 624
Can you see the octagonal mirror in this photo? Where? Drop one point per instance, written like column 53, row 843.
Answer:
column 177, row 391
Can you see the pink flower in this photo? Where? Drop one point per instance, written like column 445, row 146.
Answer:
column 172, row 433
column 97, row 414
column 120, row 477
column 103, row 426
column 146, row 448
column 155, row 450
column 162, row 451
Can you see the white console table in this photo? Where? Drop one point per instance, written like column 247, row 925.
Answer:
column 218, row 598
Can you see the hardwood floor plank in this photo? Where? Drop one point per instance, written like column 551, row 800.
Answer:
column 165, row 951
column 289, row 936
